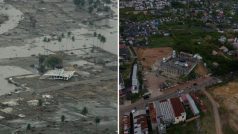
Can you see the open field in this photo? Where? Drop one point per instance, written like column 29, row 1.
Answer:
column 201, row 70
column 149, row 56
column 226, row 96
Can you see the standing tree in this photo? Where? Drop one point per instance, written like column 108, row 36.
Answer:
column 97, row 121
column 40, row 102
column 73, row 38
column 84, row 111
column 95, row 34
column 62, row 118
column 69, row 33
column 28, row 127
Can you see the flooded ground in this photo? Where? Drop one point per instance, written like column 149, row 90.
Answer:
column 6, row 72
column 14, row 17
column 20, row 45
column 84, row 39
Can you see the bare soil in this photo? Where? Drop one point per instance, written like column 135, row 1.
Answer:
column 149, row 56
column 227, row 97
column 201, row 69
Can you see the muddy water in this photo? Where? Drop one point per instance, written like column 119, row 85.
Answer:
column 8, row 71
column 82, row 40
column 38, row 46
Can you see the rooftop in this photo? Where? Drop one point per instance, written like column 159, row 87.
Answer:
column 153, row 115
column 177, row 106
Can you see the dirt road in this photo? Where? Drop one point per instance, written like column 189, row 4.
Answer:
column 218, row 125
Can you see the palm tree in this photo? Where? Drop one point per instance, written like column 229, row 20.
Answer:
column 103, row 40
column 84, row 111
column 59, row 40
column 73, row 39
column 28, row 127
column 40, row 102
column 62, row 118
column 97, row 121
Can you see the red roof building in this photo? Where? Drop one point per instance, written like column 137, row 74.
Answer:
column 179, row 112
column 153, row 114
column 126, row 124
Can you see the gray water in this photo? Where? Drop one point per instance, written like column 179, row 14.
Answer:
column 38, row 46
column 8, row 71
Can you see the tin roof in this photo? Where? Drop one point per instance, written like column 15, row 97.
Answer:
column 177, row 106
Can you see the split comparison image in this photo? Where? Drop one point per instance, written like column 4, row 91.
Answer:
column 178, row 63
column 118, row 67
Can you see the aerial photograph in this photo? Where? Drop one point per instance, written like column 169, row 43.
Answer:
column 58, row 66
column 178, row 67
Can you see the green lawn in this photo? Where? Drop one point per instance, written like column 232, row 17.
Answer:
column 193, row 39
column 156, row 41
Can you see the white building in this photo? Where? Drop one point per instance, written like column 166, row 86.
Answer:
column 179, row 111
column 58, row 74
column 135, row 81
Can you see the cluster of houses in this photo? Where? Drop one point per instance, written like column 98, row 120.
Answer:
column 177, row 65
column 223, row 49
column 137, row 33
column 142, row 28
column 162, row 114
column 141, row 5
column 124, row 53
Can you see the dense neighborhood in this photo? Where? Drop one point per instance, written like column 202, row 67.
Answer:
column 175, row 55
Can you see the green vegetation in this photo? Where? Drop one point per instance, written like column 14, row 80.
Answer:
column 53, row 60
column 228, row 130
column 125, row 70
column 196, row 40
column 190, row 76
column 187, row 128
column 28, row 127
column 49, row 62
column 127, row 13
column 134, row 97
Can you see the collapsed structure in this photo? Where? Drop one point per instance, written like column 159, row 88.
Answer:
column 58, row 74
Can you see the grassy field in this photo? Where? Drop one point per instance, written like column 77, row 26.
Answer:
column 195, row 39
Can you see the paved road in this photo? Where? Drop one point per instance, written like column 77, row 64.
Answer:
column 175, row 91
column 218, row 125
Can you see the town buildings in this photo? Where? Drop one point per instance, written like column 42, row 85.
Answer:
column 140, row 122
